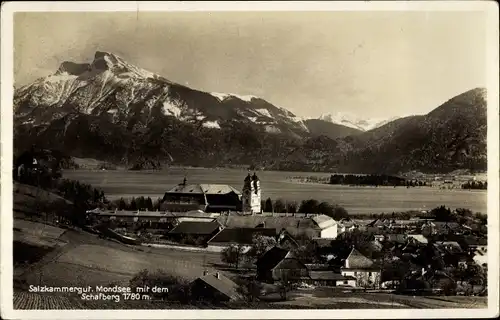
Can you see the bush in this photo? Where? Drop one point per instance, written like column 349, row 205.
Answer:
column 178, row 288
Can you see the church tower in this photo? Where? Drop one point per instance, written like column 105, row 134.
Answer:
column 251, row 194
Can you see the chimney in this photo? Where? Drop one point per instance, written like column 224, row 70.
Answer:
column 205, row 272
column 217, row 275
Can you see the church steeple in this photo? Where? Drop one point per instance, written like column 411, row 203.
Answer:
column 251, row 194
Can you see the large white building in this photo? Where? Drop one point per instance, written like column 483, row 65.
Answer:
column 328, row 228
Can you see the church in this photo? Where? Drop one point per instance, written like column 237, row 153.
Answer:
column 215, row 197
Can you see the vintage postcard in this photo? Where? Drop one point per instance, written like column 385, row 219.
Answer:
column 256, row 160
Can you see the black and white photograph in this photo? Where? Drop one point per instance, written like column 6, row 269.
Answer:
column 249, row 160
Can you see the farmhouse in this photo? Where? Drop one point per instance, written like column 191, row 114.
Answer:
column 241, row 236
column 363, row 269
column 214, row 287
column 329, row 278
column 298, row 225
column 279, row 264
column 199, row 232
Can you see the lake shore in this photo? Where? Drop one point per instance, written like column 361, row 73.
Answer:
column 274, row 184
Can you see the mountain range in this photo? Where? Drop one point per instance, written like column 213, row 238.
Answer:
column 112, row 110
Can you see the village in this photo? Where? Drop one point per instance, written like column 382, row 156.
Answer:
column 442, row 252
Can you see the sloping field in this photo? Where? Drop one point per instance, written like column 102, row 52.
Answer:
column 27, row 199
column 37, row 229
column 118, row 261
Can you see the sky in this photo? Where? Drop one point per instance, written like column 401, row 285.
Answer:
column 370, row 64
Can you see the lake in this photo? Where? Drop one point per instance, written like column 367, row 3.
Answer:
column 357, row 200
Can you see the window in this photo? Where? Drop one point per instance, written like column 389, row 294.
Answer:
column 369, row 274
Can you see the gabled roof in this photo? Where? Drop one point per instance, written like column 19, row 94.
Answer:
column 355, row 260
column 328, row 275
column 241, row 235
column 272, row 258
column 420, row 238
column 221, row 283
column 204, row 189
column 324, row 221
column 187, row 188
column 196, row 227
column 218, row 189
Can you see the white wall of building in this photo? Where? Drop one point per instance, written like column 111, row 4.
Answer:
column 330, row 232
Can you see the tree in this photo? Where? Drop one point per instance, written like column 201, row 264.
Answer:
column 232, row 255
column 287, row 279
column 442, row 214
column 268, row 205
column 260, row 245
column 325, row 208
column 291, row 207
column 122, row 205
column 249, row 289
column 178, row 289
column 279, row 206
column 133, row 205
column 149, row 203
column 309, row 206
column 308, row 253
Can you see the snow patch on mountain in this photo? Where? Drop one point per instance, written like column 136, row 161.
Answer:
column 171, row 109
column 353, row 121
column 222, row 96
column 264, row 112
column 211, row 124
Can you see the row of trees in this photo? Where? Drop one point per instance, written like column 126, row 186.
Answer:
column 475, row 185
column 367, row 180
column 139, row 203
column 306, row 206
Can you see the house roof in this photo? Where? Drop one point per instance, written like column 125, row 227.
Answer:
column 204, row 189
column 241, row 235
column 286, row 236
column 196, row 227
column 271, row 258
column 221, row 284
column 355, row 260
column 420, row 238
column 251, row 221
column 451, row 246
column 328, row 275
column 324, row 221
column 475, row 241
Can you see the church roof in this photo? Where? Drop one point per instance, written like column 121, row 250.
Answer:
column 204, row 189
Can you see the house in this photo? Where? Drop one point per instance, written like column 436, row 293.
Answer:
column 197, row 232
column 214, row 287
column 363, row 269
column 329, row 278
column 417, row 238
column 204, row 197
column 396, row 237
column 241, row 236
column 286, row 241
column 279, row 264
column 299, row 225
column 481, row 258
column 347, row 225
column 328, row 226
column 471, row 243
column 450, row 247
